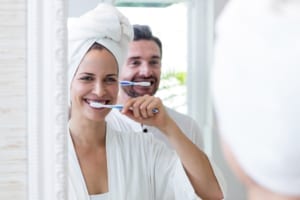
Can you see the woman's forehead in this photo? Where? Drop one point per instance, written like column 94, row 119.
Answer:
column 98, row 60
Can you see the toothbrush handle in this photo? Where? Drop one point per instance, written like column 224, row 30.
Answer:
column 155, row 110
column 120, row 107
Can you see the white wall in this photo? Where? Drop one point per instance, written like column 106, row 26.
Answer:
column 12, row 100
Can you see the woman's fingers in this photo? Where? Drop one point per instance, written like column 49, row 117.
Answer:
column 147, row 105
column 143, row 107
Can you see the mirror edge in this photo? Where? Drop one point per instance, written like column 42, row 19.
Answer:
column 47, row 109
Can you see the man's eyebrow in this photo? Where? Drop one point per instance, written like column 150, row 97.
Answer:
column 139, row 57
column 156, row 57
column 134, row 58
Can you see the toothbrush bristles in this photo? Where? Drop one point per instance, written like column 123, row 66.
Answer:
column 143, row 83
column 97, row 105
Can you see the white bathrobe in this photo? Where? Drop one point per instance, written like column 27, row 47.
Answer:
column 139, row 167
column 188, row 126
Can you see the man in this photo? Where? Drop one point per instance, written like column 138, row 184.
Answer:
column 143, row 64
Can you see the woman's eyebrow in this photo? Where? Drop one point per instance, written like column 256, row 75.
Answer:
column 112, row 74
column 87, row 73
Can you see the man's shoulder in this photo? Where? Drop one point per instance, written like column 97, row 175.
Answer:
column 179, row 116
column 188, row 125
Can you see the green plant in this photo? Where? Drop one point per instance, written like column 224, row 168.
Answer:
column 173, row 90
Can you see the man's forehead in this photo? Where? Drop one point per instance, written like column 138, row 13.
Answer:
column 143, row 43
column 143, row 49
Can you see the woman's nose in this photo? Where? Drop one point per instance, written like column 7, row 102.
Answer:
column 99, row 89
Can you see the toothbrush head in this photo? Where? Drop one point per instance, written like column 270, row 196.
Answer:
column 96, row 104
column 145, row 84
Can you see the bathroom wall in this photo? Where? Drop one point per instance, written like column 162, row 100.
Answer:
column 13, row 100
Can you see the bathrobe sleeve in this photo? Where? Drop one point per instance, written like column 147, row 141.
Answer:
column 169, row 177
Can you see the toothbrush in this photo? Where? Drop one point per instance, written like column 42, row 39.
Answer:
column 116, row 106
column 129, row 83
column 100, row 105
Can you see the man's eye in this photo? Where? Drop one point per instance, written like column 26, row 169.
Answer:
column 154, row 62
column 134, row 63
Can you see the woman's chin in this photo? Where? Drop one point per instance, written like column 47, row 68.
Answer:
column 98, row 116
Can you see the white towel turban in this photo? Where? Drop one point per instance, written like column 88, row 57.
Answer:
column 256, row 90
column 104, row 25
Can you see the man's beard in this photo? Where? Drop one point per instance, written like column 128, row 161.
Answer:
column 129, row 90
column 132, row 93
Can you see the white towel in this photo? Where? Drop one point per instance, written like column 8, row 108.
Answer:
column 256, row 89
column 104, row 25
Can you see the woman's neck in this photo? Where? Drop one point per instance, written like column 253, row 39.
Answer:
column 87, row 133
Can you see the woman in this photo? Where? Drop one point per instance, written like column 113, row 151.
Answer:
column 256, row 94
column 104, row 163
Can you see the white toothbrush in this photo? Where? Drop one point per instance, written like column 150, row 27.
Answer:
column 129, row 83
column 116, row 106
column 100, row 105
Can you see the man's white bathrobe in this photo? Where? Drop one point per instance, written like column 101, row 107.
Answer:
column 139, row 168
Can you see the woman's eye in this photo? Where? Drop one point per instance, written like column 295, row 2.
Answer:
column 111, row 80
column 86, row 78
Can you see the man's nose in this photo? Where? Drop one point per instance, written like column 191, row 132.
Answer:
column 145, row 70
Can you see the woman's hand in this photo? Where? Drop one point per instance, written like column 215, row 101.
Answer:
column 142, row 109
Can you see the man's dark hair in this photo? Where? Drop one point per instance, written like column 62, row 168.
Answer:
column 143, row 32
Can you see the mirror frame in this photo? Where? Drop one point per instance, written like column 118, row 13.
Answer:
column 47, row 108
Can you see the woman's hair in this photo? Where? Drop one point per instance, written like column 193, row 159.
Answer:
column 96, row 46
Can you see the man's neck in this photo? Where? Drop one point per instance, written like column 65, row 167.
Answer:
column 122, row 98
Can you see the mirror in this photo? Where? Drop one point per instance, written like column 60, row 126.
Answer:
column 46, row 88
